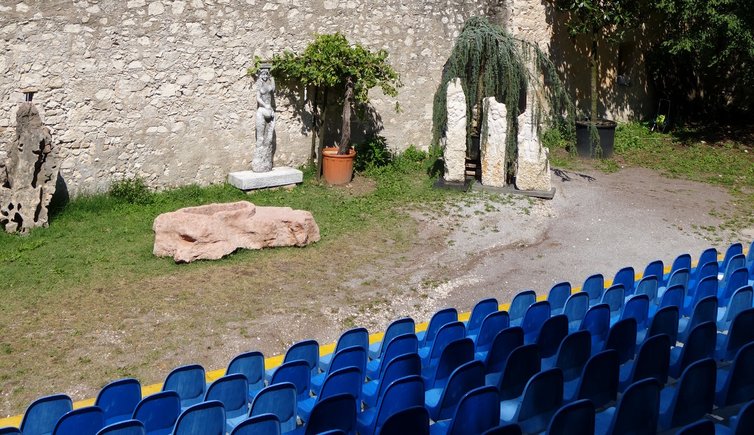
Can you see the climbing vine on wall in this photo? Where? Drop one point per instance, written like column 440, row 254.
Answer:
column 492, row 63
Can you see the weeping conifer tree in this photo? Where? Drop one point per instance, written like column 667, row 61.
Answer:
column 492, row 63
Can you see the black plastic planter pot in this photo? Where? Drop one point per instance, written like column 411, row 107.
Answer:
column 606, row 133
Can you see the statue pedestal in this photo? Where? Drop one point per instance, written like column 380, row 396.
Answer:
column 280, row 176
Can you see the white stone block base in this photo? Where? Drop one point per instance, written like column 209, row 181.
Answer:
column 280, row 176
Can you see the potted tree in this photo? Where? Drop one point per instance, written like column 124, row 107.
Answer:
column 328, row 64
column 597, row 20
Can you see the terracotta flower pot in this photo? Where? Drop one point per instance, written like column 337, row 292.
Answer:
column 337, row 169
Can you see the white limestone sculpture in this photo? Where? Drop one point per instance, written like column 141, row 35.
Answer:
column 533, row 166
column 265, row 122
column 493, row 142
column 455, row 136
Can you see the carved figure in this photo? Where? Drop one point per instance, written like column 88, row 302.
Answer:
column 265, row 122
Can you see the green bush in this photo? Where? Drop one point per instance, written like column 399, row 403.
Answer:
column 372, row 153
column 131, row 190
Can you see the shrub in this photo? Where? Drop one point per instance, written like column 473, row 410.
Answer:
column 131, row 190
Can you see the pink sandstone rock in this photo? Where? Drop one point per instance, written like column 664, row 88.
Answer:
column 213, row 231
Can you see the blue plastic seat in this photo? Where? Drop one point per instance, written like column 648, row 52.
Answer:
column 735, row 384
column 206, row 418
column 705, row 288
column 736, row 262
column 399, row 345
column 277, row 399
column 704, row 311
column 622, row 338
column 490, row 327
column 533, row 320
column 353, row 337
column 334, row 414
column 733, row 250
column 442, row 402
column 700, row 345
column 413, row 420
column 691, row 397
column 347, row 380
column 626, row 277
column 679, row 277
column 682, row 261
column 233, row 392
column 597, row 322
column 699, row 427
column 118, row 399
column 750, row 254
column 159, row 412
column 637, row 308
column 541, row 398
column 521, row 365
column 742, row 299
column 553, row 331
column 598, row 381
column 354, row 356
column 741, row 332
column 398, row 327
column 125, row 427
column 575, row 309
column 440, row 318
column 707, row 256
column 82, row 421
column 738, row 278
column 477, row 411
column 503, row 344
column 648, row 285
column 306, row 350
column 665, row 321
column 575, row 418
column 637, row 411
column 558, row 295
column 251, row 365
column 449, row 332
column 652, row 361
column 741, row 424
column 189, row 382
column 296, row 372
column 10, row 430
column 656, row 268
column 264, row 424
column 572, row 354
column 594, row 286
column 401, row 366
column 673, row 296
column 40, row 417
column 520, row 303
column 455, row 354
column 614, row 297
column 401, row 394
column 481, row 310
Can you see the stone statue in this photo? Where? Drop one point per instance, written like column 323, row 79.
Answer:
column 265, row 122
column 27, row 180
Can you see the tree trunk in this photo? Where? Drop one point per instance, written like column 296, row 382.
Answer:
column 313, row 153
column 593, row 87
column 345, row 136
column 322, row 119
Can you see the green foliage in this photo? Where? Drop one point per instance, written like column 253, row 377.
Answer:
column 608, row 18
column 372, row 153
column 254, row 69
column 131, row 190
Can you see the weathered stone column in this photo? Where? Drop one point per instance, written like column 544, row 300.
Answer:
column 492, row 142
column 533, row 166
column 455, row 136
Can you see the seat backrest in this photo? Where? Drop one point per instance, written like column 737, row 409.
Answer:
column 118, row 399
column 622, row 338
column 558, row 295
column 575, row 418
column 336, row 412
column 306, row 350
column 534, row 318
column 680, row 277
column 741, row 333
column 700, row 345
column 737, row 279
column 480, row 311
column 477, row 411
column 158, row 411
column 739, row 301
column 354, row 356
column 554, row 330
column 707, row 256
column 573, row 353
column 40, row 417
column 263, row 424
column 353, row 337
column 280, row 400
column 750, row 254
column 673, row 296
column 438, row 320
column 126, row 427
column 614, row 297
column 699, row 427
column 733, row 250
column 455, row 354
column 502, row 346
column 251, row 365
column 597, row 321
column 665, row 321
column 543, row 395
column 399, row 345
column 465, row 378
column 576, row 306
column 682, row 261
column 637, row 410
column 413, row 420
column 694, row 394
column 10, row 430
column 656, row 268
column 648, row 285
column 523, row 363
column 490, row 327
column 705, row 287
column 347, row 380
column 744, row 420
column 737, row 261
column 82, row 421
column 705, row 310
column 626, row 277
column 296, row 372
column 398, row 327
column 188, row 381
column 448, row 332
column 401, row 394
column 232, row 391
column 637, row 308
column 401, row 366
column 520, row 303
column 594, row 285
column 739, row 385
column 206, row 418
column 599, row 378
column 653, row 359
